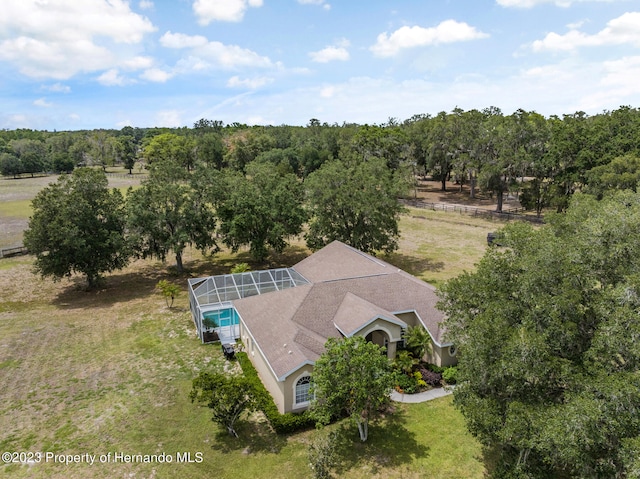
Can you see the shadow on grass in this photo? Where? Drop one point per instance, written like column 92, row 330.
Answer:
column 412, row 264
column 254, row 437
column 140, row 281
column 114, row 288
column 389, row 445
column 213, row 265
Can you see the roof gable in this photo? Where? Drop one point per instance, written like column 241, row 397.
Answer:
column 356, row 313
column 340, row 261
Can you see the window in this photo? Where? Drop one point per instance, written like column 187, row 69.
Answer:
column 452, row 351
column 302, row 390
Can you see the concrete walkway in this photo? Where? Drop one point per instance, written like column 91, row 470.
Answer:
column 421, row 397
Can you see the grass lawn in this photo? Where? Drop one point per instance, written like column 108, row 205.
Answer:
column 109, row 371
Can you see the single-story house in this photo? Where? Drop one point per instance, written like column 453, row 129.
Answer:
column 284, row 316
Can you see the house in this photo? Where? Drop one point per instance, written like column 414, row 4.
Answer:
column 284, row 316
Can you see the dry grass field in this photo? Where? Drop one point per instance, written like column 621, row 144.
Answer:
column 109, row 371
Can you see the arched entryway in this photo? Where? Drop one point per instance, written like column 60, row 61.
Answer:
column 381, row 338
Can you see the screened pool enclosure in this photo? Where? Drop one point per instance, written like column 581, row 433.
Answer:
column 211, row 299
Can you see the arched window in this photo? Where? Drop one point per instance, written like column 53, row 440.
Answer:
column 302, row 390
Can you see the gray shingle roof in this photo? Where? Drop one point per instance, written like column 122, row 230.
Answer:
column 348, row 288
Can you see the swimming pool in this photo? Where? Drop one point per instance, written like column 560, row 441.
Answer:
column 223, row 317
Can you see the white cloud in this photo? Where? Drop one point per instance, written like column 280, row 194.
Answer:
column 156, row 75
column 113, row 78
column 42, row 102
column 180, row 40
column 449, row 31
column 250, row 83
column 222, row 10
column 57, row 88
column 576, row 25
column 146, row 5
column 624, row 29
column 533, row 3
column 331, row 53
column 138, row 63
column 322, row 3
column 232, row 56
column 205, row 54
column 46, row 39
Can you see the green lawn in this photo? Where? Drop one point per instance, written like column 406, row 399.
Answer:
column 110, row 371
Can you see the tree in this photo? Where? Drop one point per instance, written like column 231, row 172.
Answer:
column 78, row 225
column 167, row 213
column 262, row 210
column 245, row 146
column 227, row 397
column 127, row 150
column 356, row 203
column 10, row 165
column 170, row 147
column 418, row 341
column 621, row 173
column 32, row 155
column 354, row 376
column 441, row 148
column 210, row 149
column 547, row 337
column 168, row 291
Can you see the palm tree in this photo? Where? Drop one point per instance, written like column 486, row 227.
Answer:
column 405, row 361
column 418, row 341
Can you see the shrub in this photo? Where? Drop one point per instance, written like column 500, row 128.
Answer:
column 407, row 384
column 450, row 375
column 421, row 383
column 281, row 423
column 322, row 455
column 430, row 377
column 435, row 368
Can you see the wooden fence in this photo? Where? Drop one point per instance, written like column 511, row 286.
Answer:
column 506, row 214
column 15, row 251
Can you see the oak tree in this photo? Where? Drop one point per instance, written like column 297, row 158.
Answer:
column 78, row 226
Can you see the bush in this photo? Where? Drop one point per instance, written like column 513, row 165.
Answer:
column 430, row 377
column 407, row 384
column 419, row 379
column 322, row 455
column 450, row 375
column 435, row 368
column 281, row 423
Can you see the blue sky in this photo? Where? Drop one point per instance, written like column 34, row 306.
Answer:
column 85, row 64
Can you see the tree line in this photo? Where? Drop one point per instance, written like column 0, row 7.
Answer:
column 544, row 159
column 81, row 226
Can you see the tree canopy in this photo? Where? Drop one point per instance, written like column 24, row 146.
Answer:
column 167, row 213
column 78, row 226
column 261, row 210
column 548, row 343
column 352, row 375
column 355, row 202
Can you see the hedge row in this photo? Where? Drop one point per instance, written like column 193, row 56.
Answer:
column 281, row 423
